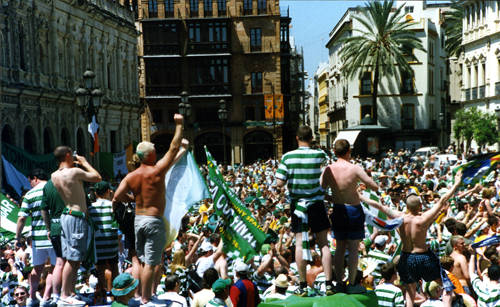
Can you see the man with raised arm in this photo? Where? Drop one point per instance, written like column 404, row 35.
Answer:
column 417, row 261
column 348, row 220
column 147, row 183
column 68, row 180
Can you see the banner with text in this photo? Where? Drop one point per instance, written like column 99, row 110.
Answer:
column 242, row 234
column 8, row 220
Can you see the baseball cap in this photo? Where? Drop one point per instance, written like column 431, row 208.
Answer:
column 123, row 284
column 381, row 240
column 206, row 247
column 220, row 285
column 241, row 267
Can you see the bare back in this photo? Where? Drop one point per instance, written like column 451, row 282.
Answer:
column 69, row 185
column 413, row 234
column 345, row 183
column 459, row 262
column 148, row 185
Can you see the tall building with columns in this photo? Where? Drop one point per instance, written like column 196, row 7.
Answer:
column 45, row 47
column 480, row 63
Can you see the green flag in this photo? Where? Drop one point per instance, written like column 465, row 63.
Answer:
column 8, row 223
column 242, row 234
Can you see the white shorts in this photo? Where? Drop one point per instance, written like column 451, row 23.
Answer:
column 40, row 256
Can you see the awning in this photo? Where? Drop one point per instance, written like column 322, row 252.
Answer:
column 350, row 136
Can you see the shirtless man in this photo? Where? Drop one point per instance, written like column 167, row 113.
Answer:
column 348, row 220
column 460, row 265
column 147, row 183
column 68, row 180
column 417, row 261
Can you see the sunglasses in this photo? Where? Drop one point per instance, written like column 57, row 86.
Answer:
column 20, row 294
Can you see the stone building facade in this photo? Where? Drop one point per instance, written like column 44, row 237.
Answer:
column 232, row 50
column 45, row 47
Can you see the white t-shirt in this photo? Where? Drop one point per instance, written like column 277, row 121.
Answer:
column 203, row 264
column 177, row 300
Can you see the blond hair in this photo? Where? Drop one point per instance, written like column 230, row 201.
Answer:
column 143, row 149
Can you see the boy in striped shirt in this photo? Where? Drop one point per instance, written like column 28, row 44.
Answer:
column 41, row 245
column 301, row 170
column 488, row 289
column 106, row 236
column 388, row 294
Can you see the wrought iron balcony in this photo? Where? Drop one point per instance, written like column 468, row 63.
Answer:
column 163, row 90
column 156, row 49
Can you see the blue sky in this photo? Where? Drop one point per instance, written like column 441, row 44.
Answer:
column 312, row 21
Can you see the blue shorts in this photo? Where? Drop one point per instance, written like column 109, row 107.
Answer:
column 415, row 266
column 348, row 222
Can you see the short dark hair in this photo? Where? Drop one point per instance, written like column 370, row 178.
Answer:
column 494, row 272
column 304, row 133
column 388, row 270
column 341, row 147
column 209, row 277
column 38, row 173
column 60, row 153
column 447, row 262
column 170, row 282
column 461, row 228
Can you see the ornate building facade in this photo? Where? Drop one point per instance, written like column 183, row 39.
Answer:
column 45, row 47
column 212, row 50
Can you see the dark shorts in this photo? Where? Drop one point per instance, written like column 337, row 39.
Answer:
column 317, row 218
column 348, row 222
column 415, row 266
column 56, row 244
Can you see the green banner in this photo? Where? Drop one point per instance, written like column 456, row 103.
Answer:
column 242, row 234
column 8, row 222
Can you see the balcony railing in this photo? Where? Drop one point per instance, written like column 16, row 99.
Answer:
column 156, row 49
column 169, row 13
column 467, row 94
column 482, row 91
column 474, row 93
column 497, row 89
column 213, row 88
column 163, row 90
column 208, row 47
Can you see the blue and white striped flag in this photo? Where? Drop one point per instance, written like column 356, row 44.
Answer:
column 184, row 187
column 493, row 240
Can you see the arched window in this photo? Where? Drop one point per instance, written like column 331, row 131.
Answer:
column 8, row 135
column 80, row 142
column 29, row 140
column 48, row 141
column 65, row 139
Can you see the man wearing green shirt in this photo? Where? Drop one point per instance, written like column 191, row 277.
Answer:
column 123, row 289
column 52, row 207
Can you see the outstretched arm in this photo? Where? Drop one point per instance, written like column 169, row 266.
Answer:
column 168, row 159
column 390, row 213
column 430, row 215
column 367, row 180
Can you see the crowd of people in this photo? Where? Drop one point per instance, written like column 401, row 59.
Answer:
column 98, row 243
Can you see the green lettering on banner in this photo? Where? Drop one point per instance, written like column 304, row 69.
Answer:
column 242, row 234
column 9, row 213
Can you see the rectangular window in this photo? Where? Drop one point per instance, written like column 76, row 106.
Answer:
column 247, row 7
column 261, row 6
column 257, row 82
column 284, row 32
column 366, row 83
column 208, row 36
column 221, row 7
column 108, row 70
column 207, row 7
column 210, row 75
column 366, row 110
column 163, row 77
column 193, row 7
column 431, row 82
column 169, row 8
column 431, row 50
column 161, row 37
column 195, row 32
column 408, row 116
column 408, row 9
column 256, row 39
column 152, row 9
column 157, row 116
column 406, row 83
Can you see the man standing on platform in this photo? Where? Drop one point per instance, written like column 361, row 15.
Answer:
column 348, row 220
column 68, row 181
column 301, row 170
column 147, row 183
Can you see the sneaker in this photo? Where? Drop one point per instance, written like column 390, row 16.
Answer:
column 302, row 292
column 70, row 301
column 32, row 302
column 134, row 302
column 356, row 289
column 340, row 288
column 329, row 290
column 46, row 303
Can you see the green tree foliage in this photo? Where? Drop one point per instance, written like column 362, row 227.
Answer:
column 381, row 45
column 453, row 28
column 471, row 124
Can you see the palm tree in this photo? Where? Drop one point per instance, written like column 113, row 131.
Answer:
column 381, row 46
column 453, row 28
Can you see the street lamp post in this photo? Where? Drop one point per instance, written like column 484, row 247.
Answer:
column 223, row 118
column 89, row 107
column 497, row 111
